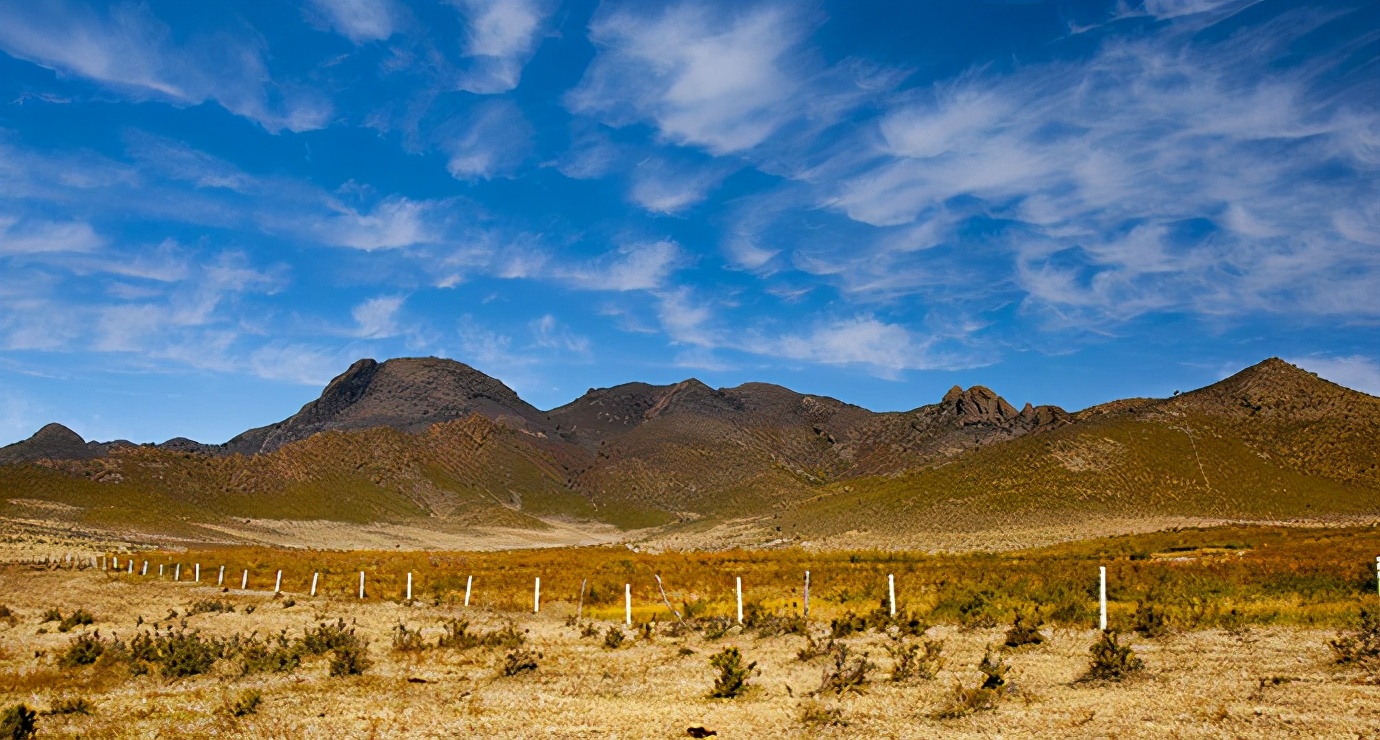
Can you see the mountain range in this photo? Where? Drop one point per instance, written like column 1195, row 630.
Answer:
column 435, row 443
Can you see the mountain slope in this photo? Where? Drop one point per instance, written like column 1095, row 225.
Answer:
column 435, row 441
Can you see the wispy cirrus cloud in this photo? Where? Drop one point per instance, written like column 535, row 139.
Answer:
column 360, row 21
column 500, row 37
column 124, row 47
column 1357, row 372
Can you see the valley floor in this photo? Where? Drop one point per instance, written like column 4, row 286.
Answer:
column 1275, row 681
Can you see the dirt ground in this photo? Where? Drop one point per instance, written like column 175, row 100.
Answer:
column 1260, row 682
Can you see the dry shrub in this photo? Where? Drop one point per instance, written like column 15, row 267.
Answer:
column 69, row 705
column 846, row 673
column 210, row 606
column 983, row 697
column 406, row 640
column 458, row 636
column 1362, row 645
column 1024, row 632
column 1149, row 621
column 1112, row 661
column 18, row 722
column 907, row 662
column 733, row 675
column 276, row 655
column 245, row 704
column 814, row 648
column 520, row 661
column 614, row 638
column 815, row 713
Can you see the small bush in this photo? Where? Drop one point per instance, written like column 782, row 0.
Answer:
column 351, row 659
column 327, row 637
column 245, row 704
column 507, row 637
column 715, row 627
column 84, row 650
column 278, row 655
column 520, row 661
column 78, row 618
column 210, row 606
column 846, row 674
column 8, row 616
column 908, row 662
column 69, row 705
column 187, row 654
column 816, row 714
column 965, row 701
column 51, row 615
column 993, row 670
column 815, row 648
column 407, row 640
column 458, row 636
column 1150, row 621
column 589, row 630
column 1024, row 632
column 1362, row 646
column 846, row 625
column 1111, row 661
column 613, row 639
column 18, row 722
column 733, row 675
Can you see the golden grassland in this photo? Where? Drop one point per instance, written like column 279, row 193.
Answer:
column 1251, row 613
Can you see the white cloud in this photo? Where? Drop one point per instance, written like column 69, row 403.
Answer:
column 714, row 80
column 129, row 50
column 663, row 187
column 642, row 266
column 1356, row 372
column 360, row 20
column 377, row 317
column 38, row 237
column 863, row 340
column 500, row 39
column 686, row 320
column 491, row 141
column 392, row 224
column 1166, row 172
column 548, row 333
column 304, row 364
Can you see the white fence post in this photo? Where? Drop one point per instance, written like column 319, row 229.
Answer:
column 220, row 579
column 145, row 571
column 177, row 572
column 278, row 583
column 197, row 577
column 891, row 592
column 627, row 603
column 807, row 594
column 536, row 596
column 409, row 585
column 1102, row 597
column 160, row 570
column 131, row 566
column 313, row 583
column 244, row 580
column 361, row 584
column 469, row 581
column 740, row 599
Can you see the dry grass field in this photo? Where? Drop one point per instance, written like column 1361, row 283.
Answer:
column 1243, row 649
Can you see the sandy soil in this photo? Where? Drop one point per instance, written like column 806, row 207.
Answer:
column 1201, row 684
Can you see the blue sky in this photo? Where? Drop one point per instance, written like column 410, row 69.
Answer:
column 207, row 209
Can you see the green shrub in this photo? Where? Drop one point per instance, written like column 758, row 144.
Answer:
column 51, row 615
column 83, row 650
column 350, row 660
column 18, row 722
column 245, row 704
column 327, row 637
column 185, row 654
column 210, row 606
column 814, row 713
column 733, row 675
column 458, row 636
column 1112, row 661
column 277, row 655
column 80, row 617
